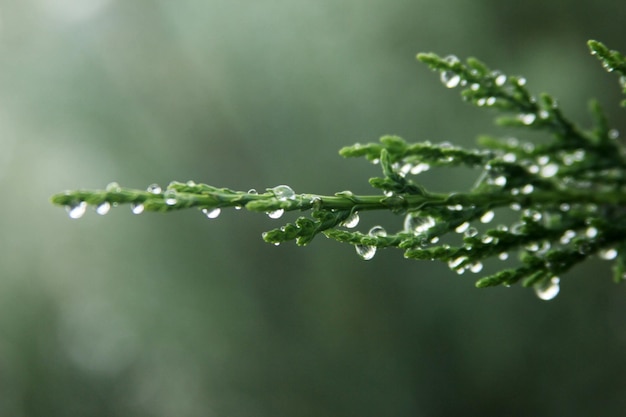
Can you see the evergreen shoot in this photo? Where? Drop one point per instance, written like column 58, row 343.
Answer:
column 565, row 195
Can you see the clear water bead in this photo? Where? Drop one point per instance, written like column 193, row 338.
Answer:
column 377, row 231
column 283, row 193
column 418, row 225
column 591, row 232
column 212, row 213
column 476, row 267
column 608, row 254
column 471, row 232
column 503, row 256
column 500, row 181
column 276, row 214
column 113, row 187
column 252, row 191
column 549, row 170
column 352, row 221
column 103, row 208
column 365, row 252
column 500, row 80
column 462, row 227
column 549, row 289
column 137, row 208
column 450, row 78
column 528, row 118
column 77, row 211
column 170, row 197
column 154, row 189
column 487, row 217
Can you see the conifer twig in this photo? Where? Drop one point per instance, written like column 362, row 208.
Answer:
column 567, row 194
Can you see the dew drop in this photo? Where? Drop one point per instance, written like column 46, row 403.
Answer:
column 475, row 87
column 564, row 207
column 113, row 187
column 509, row 157
column 591, row 232
column 608, row 254
column 490, row 101
column 521, row 81
column 528, row 118
column 418, row 225
column 170, row 197
column 500, row 181
column 503, row 256
column 275, row 214
column 533, row 169
column 76, row 211
column 462, row 227
column 487, row 217
column 365, row 252
column 567, row 237
column 211, row 213
column 419, row 168
column 613, row 134
column 486, row 239
column 471, row 232
column 377, row 231
column 456, row 264
column 154, row 189
column 544, row 114
column 137, row 208
column 548, row 289
column 481, row 102
column 450, row 78
column 253, row 191
column 103, row 208
column 283, row 193
column 476, row 267
column 527, row 189
column 549, row 170
column 352, row 221
column 500, row 80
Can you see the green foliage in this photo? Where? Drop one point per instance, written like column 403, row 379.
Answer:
column 562, row 200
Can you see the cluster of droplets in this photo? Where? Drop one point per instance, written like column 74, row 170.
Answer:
column 367, row 252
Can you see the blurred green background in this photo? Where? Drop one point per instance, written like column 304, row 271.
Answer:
column 177, row 315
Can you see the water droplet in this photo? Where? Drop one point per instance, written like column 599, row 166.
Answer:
column 486, row 239
column 533, row 169
column 521, row 81
column 434, row 240
column 419, row 168
column 532, row 247
column 471, row 232
column 481, row 101
column 503, row 256
column 252, row 191
column 365, row 252
column 528, row 118
column 212, row 213
column 475, row 87
column 613, row 134
column 533, row 215
column 462, row 227
column 548, row 289
column 456, row 207
column 549, row 170
column 527, row 189
column 457, row 264
column 567, row 237
column 191, row 183
column 170, row 197
column 564, row 207
column 352, row 221
column 591, row 232
column 76, row 211
column 490, row 101
column 509, row 157
column 608, row 254
column 450, row 78
column 487, row 217
column 283, row 193
column 515, row 206
column 544, row 114
column 113, row 187
column 103, row 208
column 502, row 228
column 276, row 214
column 476, row 267
column 377, row 231
column 417, row 225
column 136, row 208
column 500, row 181
column 500, row 80
column 154, row 189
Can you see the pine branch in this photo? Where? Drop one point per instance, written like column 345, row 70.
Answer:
column 567, row 194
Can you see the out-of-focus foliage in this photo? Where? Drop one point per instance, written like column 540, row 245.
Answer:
column 161, row 316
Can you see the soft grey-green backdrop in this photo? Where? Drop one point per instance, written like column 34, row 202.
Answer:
column 177, row 315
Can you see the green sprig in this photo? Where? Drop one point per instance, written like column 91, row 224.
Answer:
column 566, row 196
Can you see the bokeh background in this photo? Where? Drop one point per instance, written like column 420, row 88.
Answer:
column 177, row 315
